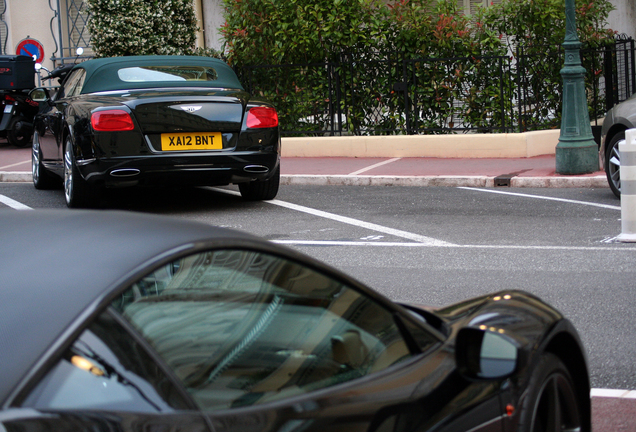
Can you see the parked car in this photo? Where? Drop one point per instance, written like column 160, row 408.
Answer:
column 616, row 122
column 155, row 121
column 130, row 322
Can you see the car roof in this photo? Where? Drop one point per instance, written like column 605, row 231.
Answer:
column 102, row 74
column 55, row 264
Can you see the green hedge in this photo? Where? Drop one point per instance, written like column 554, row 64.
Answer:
column 142, row 27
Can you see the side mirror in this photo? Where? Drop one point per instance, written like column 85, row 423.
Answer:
column 39, row 95
column 486, row 354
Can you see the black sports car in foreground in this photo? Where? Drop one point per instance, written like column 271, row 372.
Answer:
column 133, row 322
column 158, row 121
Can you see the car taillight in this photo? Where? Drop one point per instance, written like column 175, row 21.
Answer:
column 112, row 121
column 262, row 117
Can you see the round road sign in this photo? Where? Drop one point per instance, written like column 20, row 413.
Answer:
column 32, row 48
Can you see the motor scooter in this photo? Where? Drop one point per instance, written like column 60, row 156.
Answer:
column 17, row 107
column 60, row 72
column 17, row 79
column 18, row 111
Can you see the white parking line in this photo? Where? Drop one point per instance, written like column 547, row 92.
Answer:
column 13, row 203
column 422, row 241
column 370, row 167
column 606, row 206
column 447, row 245
column 611, row 393
column 351, row 243
column 15, row 164
column 356, row 222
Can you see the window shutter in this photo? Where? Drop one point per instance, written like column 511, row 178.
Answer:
column 78, row 17
column 471, row 6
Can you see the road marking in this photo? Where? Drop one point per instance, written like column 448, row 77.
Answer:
column 372, row 237
column 13, row 203
column 352, row 243
column 422, row 241
column 611, row 393
column 446, row 245
column 15, row 164
column 606, row 206
column 355, row 222
column 369, row 168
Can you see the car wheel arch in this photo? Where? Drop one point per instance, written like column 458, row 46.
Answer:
column 614, row 130
column 565, row 346
column 560, row 340
column 67, row 137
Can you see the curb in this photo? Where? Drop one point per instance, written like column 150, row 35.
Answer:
column 451, row 181
column 15, row 177
column 419, row 181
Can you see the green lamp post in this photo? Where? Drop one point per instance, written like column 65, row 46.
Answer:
column 576, row 152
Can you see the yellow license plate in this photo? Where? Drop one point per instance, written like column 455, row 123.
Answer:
column 191, row 141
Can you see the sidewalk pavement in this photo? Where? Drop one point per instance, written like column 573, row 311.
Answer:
column 538, row 171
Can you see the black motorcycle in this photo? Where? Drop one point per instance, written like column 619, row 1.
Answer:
column 17, row 79
column 18, row 111
column 18, row 108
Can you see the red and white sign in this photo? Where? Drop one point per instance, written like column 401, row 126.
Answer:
column 32, row 48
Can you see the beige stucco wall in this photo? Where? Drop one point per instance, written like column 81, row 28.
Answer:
column 510, row 145
column 212, row 21
column 623, row 19
column 30, row 18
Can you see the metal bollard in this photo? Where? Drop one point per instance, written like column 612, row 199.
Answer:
column 627, row 152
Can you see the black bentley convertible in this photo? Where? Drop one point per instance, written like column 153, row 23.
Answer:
column 130, row 322
column 155, row 121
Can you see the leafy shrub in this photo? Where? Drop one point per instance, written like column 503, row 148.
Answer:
column 291, row 31
column 539, row 23
column 534, row 31
column 142, row 27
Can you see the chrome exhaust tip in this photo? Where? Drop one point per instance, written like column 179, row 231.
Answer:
column 256, row 169
column 125, row 172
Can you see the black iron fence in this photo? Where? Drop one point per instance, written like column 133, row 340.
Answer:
column 359, row 94
column 619, row 58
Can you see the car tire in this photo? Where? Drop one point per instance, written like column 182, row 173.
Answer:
column 613, row 163
column 77, row 192
column 42, row 179
column 17, row 138
column 260, row 190
column 551, row 402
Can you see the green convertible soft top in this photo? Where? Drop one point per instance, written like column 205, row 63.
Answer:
column 123, row 73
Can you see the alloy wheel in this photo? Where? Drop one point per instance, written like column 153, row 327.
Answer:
column 68, row 172
column 614, row 165
column 557, row 409
column 35, row 159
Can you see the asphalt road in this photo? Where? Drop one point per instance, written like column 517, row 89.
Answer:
column 440, row 245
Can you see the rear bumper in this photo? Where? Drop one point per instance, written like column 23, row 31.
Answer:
column 179, row 170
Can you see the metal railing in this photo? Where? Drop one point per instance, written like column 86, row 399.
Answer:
column 360, row 94
column 69, row 27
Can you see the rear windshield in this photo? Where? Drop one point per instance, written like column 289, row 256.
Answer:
column 167, row 73
column 156, row 72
